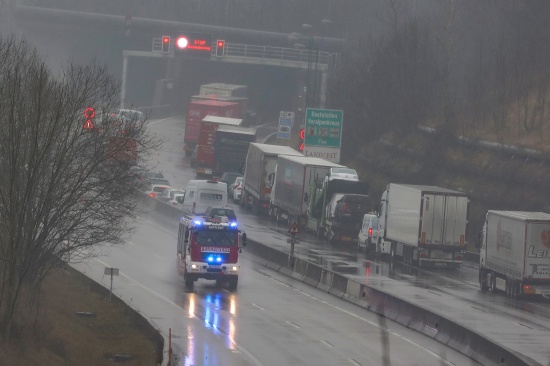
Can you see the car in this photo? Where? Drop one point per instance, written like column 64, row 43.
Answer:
column 229, row 178
column 343, row 173
column 154, row 190
column 234, row 185
column 224, row 211
column 177, row 199
column 159, row 181
column 168, row 194
column 238, row 191
column 352, row 207
column 368, row 235
column 129, row 115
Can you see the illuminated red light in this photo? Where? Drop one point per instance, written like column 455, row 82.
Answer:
column 152, row 194
column 182, row 42
column 165, row 39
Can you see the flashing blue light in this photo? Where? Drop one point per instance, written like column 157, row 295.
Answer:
column 219, row 259
column 197, row 222
column 210, row 259
column 233, row 224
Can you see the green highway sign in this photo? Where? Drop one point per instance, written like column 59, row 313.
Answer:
column 323, row 127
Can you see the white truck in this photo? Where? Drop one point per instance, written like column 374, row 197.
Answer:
column 424, row 225
column 259, row 174
column 293, row 178
column 515, row 253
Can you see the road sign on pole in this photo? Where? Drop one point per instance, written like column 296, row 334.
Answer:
column 286, row 120
column 294, row 229
column 323, row 127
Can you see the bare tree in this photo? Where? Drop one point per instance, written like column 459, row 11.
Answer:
column 63, row 189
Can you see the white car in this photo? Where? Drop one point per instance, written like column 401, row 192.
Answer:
column 177, row 199
column 154, row 190
column 343, row 173
column 368, row 236
column 168, row 194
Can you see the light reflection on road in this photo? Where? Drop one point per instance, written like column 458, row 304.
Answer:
column 215, row 318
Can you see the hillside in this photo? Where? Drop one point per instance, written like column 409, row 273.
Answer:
column 498, row 172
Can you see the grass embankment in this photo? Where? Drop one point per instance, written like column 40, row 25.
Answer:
column 61, row 337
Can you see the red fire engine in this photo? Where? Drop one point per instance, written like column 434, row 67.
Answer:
column 208, row 247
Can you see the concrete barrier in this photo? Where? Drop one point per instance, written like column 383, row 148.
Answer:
column 339, row 285
column 313, row 274
column 325, row 282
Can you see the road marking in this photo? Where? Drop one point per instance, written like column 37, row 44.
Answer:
column 523, row 325
column 397, row 335
column 354, row 362
column 258, row 306
column 160, row 120
column 293, row 324
column 327, row 343
column 170, row 302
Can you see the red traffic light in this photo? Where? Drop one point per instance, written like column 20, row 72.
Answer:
column 182, row 42
column 220, row 44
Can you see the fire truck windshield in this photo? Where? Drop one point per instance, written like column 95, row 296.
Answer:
column 216, row 238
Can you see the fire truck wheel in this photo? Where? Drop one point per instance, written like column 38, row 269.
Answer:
column 232, row 283
column 188, row 281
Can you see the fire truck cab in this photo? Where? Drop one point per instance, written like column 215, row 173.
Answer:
column 208, row 247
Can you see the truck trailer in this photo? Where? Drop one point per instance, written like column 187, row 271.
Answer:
column 424, row 225
column 231, row 147
column 259, row 174
column 205, row 159
column 197, row 110
column 293, row 178
column 515, row 253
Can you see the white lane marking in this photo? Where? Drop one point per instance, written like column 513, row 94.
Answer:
column 160, row 120
column 293, row 324
column 397, row 335
column 257, row 306
column 170, row 302
column 353, row 362
column 327, row 343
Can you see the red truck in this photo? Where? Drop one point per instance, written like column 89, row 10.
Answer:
column 197, row 110
column 208, row 248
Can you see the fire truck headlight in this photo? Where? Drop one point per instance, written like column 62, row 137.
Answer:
column 234, row 268
column 194, row 266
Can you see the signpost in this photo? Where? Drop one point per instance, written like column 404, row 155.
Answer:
column 323, row 133
column 112, row 272
column 286, row 120
column 292, row 231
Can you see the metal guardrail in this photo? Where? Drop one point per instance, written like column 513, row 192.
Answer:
column 311, row 56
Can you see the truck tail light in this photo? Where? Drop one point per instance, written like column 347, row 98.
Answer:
column 422, row 255
column 152, row 194
column 458, row 257
column 370, row 231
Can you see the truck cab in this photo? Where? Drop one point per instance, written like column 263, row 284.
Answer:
column 208, row 248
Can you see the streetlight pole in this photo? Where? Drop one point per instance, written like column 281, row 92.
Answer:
column 325, row 23
column 306, row 28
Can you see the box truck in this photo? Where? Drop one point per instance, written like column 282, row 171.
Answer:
column 515, row 253
column 294, row 176
column 197, row 110
column 423, row 225
column 259, row 174
column 231, row 147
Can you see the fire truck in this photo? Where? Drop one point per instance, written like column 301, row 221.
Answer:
column 208, row 247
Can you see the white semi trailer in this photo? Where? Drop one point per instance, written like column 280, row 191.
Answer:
column 424, row 225
column 515, row 253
